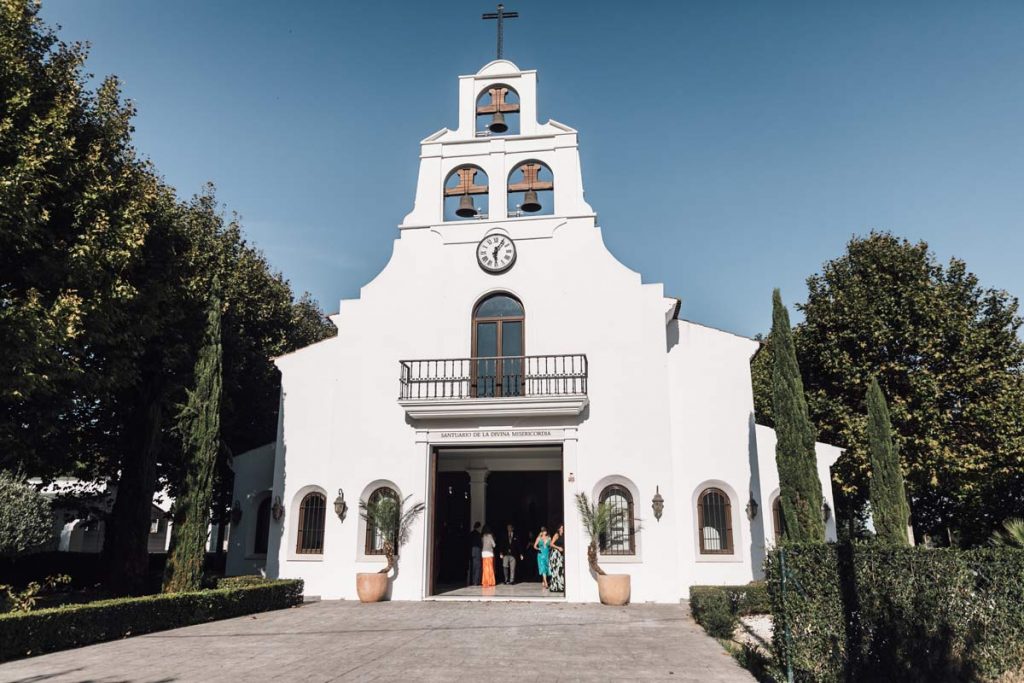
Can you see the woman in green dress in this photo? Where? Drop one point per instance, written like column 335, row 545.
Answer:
column 543, row 546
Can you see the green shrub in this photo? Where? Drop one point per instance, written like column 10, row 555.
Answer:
column 48, row 630
column 240, row 581
column 870, row 612
column 26, row 522
column 712, row 608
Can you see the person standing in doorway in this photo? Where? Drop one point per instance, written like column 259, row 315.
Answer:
column 556, row 561
column 487, row 545
column 475, row 541
column 510, row 551
column 543, row 545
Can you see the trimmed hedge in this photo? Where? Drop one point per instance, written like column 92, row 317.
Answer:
column 47, row 630
column 718, row 608
column 242, row 581
column 874, row 612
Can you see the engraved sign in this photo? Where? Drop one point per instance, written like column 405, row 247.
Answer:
column 491, row 435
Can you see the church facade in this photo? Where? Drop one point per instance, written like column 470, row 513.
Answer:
column 502, row 362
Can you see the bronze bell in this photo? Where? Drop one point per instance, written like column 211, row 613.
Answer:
column 498, row 124
column 530, row 203
column 466, row 208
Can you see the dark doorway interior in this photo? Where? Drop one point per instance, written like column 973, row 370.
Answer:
column 451, row 527
column 529, row 500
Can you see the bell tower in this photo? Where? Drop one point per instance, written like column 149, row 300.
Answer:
column 500, row 164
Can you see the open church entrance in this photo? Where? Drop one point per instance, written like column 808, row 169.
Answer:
column 497, row 486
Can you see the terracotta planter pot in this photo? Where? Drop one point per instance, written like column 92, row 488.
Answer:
column 371, row 587
column 613, row 589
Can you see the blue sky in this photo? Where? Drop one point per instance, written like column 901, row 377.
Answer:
column 728, row 147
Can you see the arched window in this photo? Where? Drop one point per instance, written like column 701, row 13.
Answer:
column 497, row 111
column 621, row 540
column 531, row 189
column 374, row 537
column 714, row 519
column 465, row 194
column 262, row 536
column 778, row 521
column 309, row 539
column 498, row 346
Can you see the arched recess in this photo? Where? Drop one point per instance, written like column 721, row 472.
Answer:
column 498, row 346
column 778, row 525
column 465, row 193
column 304, row 523
column 531, row 187
column 624, row 496
column 497, row 110
column 369, row 549
column 717, row 522
column 258, row 535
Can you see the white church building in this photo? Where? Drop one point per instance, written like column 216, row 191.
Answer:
column 502, row 362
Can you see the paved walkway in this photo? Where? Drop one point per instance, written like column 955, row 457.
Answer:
column 412, row 641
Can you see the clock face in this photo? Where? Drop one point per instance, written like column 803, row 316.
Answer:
column 496, row 253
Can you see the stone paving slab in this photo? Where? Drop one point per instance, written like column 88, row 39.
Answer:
column 411, row 641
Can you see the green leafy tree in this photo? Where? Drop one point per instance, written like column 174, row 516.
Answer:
column 200, row 430
column 800, row 489
column 599, row 521
column 889, row 510
column 948, row 356
column 26, row 522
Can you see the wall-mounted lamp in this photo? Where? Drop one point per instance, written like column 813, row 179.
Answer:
column 236, row 513
column 752, row 508
column 340, row 506
column 277, row 510
column 657, row 503
column 826, row 511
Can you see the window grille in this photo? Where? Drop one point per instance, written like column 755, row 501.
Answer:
column 310, row 537
column 621, row 539
column 714, row 519
column 374, row 537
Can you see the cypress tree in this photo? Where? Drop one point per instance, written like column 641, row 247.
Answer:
column 800, row 489
column 889, row 508
column 199, row 423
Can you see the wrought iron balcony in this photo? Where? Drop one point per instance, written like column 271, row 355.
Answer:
column 507, row 385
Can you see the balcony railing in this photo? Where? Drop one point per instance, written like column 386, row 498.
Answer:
column 494, row 377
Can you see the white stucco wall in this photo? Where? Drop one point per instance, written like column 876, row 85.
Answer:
column 670, row 402
column 254, row 476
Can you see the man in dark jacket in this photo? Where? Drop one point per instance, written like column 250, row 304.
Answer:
column 475, row 544
column 510, row 549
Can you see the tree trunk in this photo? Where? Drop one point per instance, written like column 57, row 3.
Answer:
column 592, row 559
column 389, row 553
column 127, row 537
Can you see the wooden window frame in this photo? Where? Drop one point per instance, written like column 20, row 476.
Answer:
column 499, row 389
column 368, row 548
column 727, row 511
column 303, row 511
column 606, row 493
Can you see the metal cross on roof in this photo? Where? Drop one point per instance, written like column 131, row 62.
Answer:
column 501, row 15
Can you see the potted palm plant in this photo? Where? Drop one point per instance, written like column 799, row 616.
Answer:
column 393, row 520
column 600, row 520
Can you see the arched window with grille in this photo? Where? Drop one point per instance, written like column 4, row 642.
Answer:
column 374, row 537
column 714, row 520
column 309, row 538
column 262, row 534
column 622, row 538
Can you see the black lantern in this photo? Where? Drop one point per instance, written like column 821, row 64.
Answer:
column 340, row 506
column 826, row 511
column 277, row 510
column 657, row 504
column 236, row 513
column 752, row 507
